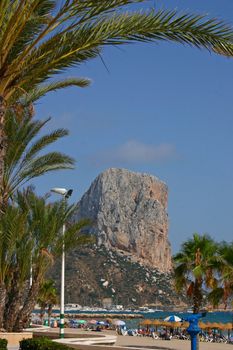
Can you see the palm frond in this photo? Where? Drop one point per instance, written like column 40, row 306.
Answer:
column 40, row 91
column 21, row 136
column 23, row 160
column 41, row 143
column 45, row 163
column 66, row 48
column 74, row 237
column 39, row 166
column 24, row 21
column 13, row 227
column 89, row 10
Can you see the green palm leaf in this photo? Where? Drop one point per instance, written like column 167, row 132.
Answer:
column 74, row 46
column 195, row 267
column 40, row 91
column 23, row 160
column 47, row 39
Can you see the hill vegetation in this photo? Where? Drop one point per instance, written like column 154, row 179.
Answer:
column 93, row 274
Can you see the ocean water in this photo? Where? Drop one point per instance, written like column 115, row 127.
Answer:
column 223, row 317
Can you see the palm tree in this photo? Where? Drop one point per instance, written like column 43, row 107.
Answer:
column 12, row 230
column 24, row 161
column 43, row 242
column 40, row 39
column 16, row 278
column 194, row 268
column 23, row 158
column 224, row 266
column 47, row 297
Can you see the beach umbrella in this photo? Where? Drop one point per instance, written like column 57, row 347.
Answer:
column 119, row 322
column 157, row 322
column 176, row 324
column 172, row 318
column 167, row 324
column 80, row 321
column 92, row 321
column 146, row 322
column 208, row 325
column 228, row 327
column 184, row 325
column 215, row 325
column 202, row 325
column 221, row 326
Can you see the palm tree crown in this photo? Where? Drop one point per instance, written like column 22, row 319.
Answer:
column 31, row 225
column 223, row 291
column 40, row 39
column 25, row 158
column 194, row 267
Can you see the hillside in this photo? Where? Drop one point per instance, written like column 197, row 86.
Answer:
column 131, row 261
column 93, row 274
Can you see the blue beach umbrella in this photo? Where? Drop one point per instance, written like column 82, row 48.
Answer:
column 101, row 323
column 172, row 318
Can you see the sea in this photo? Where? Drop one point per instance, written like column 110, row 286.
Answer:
column 219, row 317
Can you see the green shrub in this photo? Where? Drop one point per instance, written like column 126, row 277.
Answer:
column 41, row 344
column 3, row 344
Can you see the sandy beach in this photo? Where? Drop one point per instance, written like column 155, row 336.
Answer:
column 149, row 343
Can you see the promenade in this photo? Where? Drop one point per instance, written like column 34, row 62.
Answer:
column 173, row 344
column 79, row 340
column 135, row 342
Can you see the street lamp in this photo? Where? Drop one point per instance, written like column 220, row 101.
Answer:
column 66, row 194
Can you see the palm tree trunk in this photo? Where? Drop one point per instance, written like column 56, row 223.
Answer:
column 11, row 315
column 197, row 296
column 197, row 300
column 42, row 312
column 50, row 309
column 2, row 302
column 15, row 298
column 2, row 146
column 29, row 304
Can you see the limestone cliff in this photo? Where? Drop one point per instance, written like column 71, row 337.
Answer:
column 129, row 213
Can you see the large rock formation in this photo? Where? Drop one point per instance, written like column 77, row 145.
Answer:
column 131, row 265
column 128, row 212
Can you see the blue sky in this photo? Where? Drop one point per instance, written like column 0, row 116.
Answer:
column 164, row 109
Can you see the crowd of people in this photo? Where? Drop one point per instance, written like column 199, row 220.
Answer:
column 165, row 333
column 161, row 333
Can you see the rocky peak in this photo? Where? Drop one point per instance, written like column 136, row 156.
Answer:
column 129, row 213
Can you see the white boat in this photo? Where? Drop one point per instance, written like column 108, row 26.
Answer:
column 72, row 307
column 147, row 309
column 189, row 311
column 158, row 310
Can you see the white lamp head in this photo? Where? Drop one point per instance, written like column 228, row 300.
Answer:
column 62, row 191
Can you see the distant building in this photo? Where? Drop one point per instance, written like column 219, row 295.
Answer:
column 107, row 303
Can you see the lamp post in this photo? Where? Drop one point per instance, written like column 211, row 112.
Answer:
column 66, row 194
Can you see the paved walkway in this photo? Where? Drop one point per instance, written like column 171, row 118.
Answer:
column 174, row 344
column 141, row 343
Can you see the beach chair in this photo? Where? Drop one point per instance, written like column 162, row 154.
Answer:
column 154, row 335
